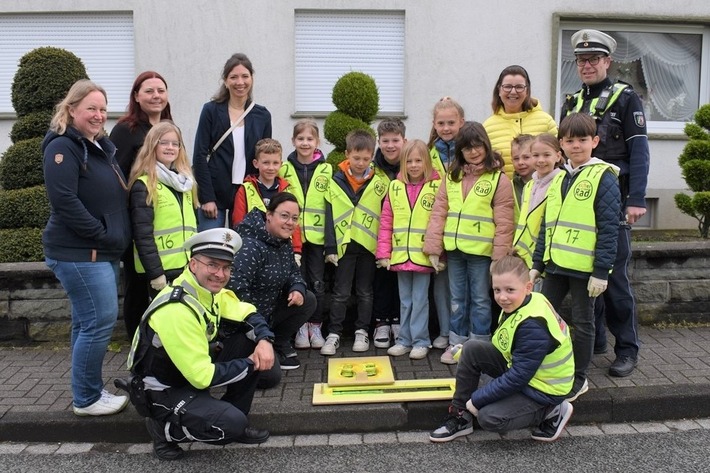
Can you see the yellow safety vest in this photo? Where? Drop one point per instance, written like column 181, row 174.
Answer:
column 607, row 99
column 361, row 222
column 312, row 202
column 469, row 223
column 409, row 223
column 555, row 376
column 570, row 222
column 528, row 228
column 254, row 200
column 437, row 162
column 173, row 223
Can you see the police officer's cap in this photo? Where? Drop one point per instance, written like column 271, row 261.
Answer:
column 593, row 41
column 219, row 243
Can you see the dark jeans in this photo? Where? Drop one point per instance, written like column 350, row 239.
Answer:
column 516, row 411
column 357, row 263
column 135, row 293
column 617, row 304
column 286, row 320
column 580, row 318
column 313, row 270
column 385, row 309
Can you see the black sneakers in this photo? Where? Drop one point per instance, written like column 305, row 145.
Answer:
column 162, row 448
column 253, row 436
column 289, row 362
column 554, row 423
column 457, row 424
column 622, row 366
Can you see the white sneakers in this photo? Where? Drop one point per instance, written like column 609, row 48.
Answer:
column 302, row 341
column 398, row 350
column 382, row 336
column 309, row 336
column 106, row 405
column 362, row 341
column 447, row 357
column 332, row 342
column 441, row 342
column 418, row 353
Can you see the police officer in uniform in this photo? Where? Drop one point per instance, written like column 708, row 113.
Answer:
column 196, row 335
column 621, row 127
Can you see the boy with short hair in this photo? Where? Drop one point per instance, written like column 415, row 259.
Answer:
column 523, row 166
column 576, row 245
column 385, row 309
column 352, row 218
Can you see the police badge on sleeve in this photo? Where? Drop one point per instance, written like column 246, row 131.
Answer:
column 639, row 119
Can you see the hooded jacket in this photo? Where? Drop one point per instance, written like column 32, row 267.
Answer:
column 265, row 270
column 88, row 199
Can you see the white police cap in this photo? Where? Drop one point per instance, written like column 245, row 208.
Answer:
column 219, row 243
column 593, row 41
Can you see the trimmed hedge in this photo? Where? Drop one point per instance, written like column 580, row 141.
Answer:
column 356, row 94
column 21, row 244
column 31, row 125
column 338, row 124
column 335, row 157
column 21, row 165
column 43, row 79
column 28, row 207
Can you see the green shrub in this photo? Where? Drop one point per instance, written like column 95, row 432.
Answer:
column 338, row 124
column 28, row 207
column 31, row 125
column 335, row 157
column 20, row 245
column 697, row 175
column 21, row 165
column 43, row 78
column 695, row 131
column 695, row 150
column 356, row 94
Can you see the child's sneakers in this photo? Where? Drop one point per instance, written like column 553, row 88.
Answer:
column 362, row 341
column 398, row 350
column 302, row 340
column 576, row 392
column 457, row 424
column 315, row 336
column 382, row 336
column 553, row 425
column 332, row 342
column 447, row 357
column 441, row 342
column 395, row 332
column 418, row 353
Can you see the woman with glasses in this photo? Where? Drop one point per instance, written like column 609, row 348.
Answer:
column 515, row 112
column 266, row 274
column 147, row 105
column 161, row 206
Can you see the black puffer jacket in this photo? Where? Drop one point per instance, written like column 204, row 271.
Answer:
column 265, row 270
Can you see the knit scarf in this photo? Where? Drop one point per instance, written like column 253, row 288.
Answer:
column 170, row 178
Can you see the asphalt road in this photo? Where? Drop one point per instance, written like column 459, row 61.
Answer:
column 654, row 452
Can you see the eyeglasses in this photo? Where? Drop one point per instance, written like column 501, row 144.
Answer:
column 510, row 87
column 285, row 217
column 166, row 143
column 593, row 61
column 214, row 268
column 469, row 149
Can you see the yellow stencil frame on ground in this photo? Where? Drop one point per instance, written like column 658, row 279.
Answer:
column 361, row 371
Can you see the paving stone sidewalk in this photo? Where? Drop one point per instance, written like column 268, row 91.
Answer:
column 672, row 381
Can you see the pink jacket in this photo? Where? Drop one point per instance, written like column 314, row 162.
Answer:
column 503, row 216
column 384, row 237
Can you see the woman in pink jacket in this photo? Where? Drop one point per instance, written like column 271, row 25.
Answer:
column 403, row 222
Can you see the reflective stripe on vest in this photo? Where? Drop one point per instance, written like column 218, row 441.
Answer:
column 173, row 223
column 359, row 223
column 555, row 376
column 312, row 218
column 610, row 94
column 571, row 230
column 469, row 224
column 528, row 227
column 409, row 223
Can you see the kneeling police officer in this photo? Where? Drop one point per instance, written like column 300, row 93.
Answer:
column 194, row 336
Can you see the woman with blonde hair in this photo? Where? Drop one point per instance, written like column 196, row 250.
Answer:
column 161, row 205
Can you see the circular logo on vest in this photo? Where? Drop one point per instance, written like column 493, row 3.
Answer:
column 428, row 201
column 503, row 339
column 321, row 183
column 583, row 190
column 483, row 188
column 380, row 188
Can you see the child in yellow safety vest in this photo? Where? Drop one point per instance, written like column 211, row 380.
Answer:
column 405, row 216
column 352, row 220
column 473, row 221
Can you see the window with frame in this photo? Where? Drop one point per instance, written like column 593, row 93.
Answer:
column 667, row 67
column 329, row 44
column 103, row 41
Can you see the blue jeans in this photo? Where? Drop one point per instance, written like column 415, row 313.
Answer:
column 442, row 297
column 414, row 309
column 206, row 223
column 469, row 280
column 92, row 289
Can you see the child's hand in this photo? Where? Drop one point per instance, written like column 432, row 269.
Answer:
column 471, row 408
column 596, row 286
column 534, row 276
column 158, row 283
column 384, row 263
column 434, row 260
column 297, row 257
column 332, row 259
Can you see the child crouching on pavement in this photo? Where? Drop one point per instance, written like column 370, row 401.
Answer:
column 529, row 358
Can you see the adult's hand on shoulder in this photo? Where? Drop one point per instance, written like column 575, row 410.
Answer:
column 295, row 298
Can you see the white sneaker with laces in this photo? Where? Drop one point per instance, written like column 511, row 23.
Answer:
column 382, row 336
column 106, row 405
column 398, row 350
column 332, row 342
column 362, row 341
column 418, row 353
column 441, row 342
column 395, row 332
column 302, row 340
column 316, row 337
column 447, row 357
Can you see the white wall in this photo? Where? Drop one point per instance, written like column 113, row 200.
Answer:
column 453, row 47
